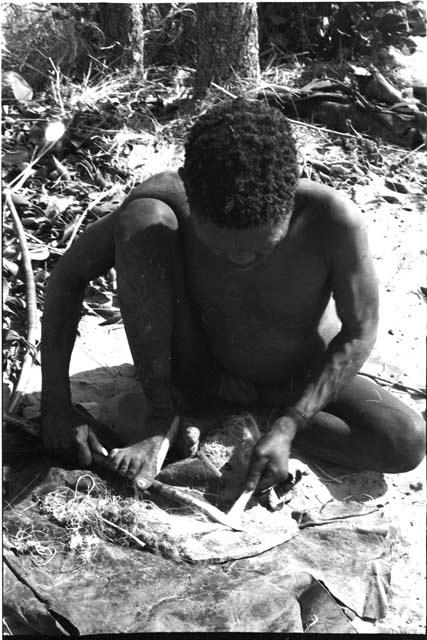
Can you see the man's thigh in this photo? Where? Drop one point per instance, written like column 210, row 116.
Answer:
column 149, row 250
column 366, row 405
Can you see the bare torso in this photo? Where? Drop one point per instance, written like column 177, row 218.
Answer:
column 262, row 325
column 268, row 324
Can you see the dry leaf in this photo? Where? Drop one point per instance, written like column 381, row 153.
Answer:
column 20, row 87
column 68, row 230
column 391, row 199
column 12, row 158
column 54, row 131
column 57, row 205
column 10, row 266
column 396, row 185
column 61, row 169
column 5, row 289
column 19, row 200
column 39, row 253
column 339, row 170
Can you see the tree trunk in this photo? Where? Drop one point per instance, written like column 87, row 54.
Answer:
column 227, row 43
column 123, row 28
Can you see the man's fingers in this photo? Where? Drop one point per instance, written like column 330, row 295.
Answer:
column 255, row 472
column 268, row 480
column 84, row 455
column 123, row 465
column 95, row 445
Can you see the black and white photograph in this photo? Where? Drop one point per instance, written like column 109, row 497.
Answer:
column 214, row 318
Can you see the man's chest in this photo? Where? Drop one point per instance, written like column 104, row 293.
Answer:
column 288, row 289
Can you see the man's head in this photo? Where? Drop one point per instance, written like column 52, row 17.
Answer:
column 240, row 174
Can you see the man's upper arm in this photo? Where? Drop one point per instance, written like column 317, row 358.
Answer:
column 91, row 254
column 353, row 278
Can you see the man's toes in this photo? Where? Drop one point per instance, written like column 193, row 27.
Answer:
column 189, row 439
column 192, row 440
column 133, row 470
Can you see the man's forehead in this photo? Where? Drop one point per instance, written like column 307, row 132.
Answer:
column 251, row 235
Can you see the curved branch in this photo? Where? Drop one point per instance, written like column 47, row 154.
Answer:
column 32, row 319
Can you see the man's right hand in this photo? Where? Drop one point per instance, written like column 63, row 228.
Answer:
column 68, row 435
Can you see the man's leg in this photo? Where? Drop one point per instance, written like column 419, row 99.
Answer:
column 366, row 427
column 162, row 333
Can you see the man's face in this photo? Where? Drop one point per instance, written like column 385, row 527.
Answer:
column 242, row 248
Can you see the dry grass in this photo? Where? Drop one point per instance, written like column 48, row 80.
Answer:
column 34, row 39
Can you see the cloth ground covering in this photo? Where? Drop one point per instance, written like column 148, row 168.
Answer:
column 332, row 574
column 55, row 582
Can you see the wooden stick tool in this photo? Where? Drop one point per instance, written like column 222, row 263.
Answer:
column 239, row 506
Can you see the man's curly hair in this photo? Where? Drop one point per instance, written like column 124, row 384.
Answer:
column 240, row 167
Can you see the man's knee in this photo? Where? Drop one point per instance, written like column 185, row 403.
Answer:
column 407, row 442
column 144, row 214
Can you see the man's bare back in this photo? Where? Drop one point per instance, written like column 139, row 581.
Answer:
column 204, row 298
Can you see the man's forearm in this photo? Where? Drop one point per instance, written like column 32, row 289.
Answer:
column 340, row 363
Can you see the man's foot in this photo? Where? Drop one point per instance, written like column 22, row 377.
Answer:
column 188, row 440
column 136, row 461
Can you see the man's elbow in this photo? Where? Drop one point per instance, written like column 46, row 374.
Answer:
column 363, row 334
column 371, row 333
column 366, row 329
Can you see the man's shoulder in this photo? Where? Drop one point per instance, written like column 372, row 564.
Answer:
column 165, row 180
column 327, row 206
column 166, row 186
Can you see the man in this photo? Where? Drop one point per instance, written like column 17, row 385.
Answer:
column 224, row 271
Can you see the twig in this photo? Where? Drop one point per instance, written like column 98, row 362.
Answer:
column 317, row 523
column 396, row 385
column 127, row 533
column 228, row 93
column 326, row 474
column 83, row 215
column 8, row 629
column 395, row 166
column 317, row 128
column 18, row 182
column 27, row 486
column 31, row 300
column 299, row 122
column 27, row 426
column 180, row 497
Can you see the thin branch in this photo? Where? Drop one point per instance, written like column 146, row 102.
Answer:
column 317, row 523
column 31, row 300
column 395, row 166
column 83, row 215
column 19, row 181
column 400, row 386
column 124, row 531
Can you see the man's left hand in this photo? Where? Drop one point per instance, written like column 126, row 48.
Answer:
column 270, row 457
